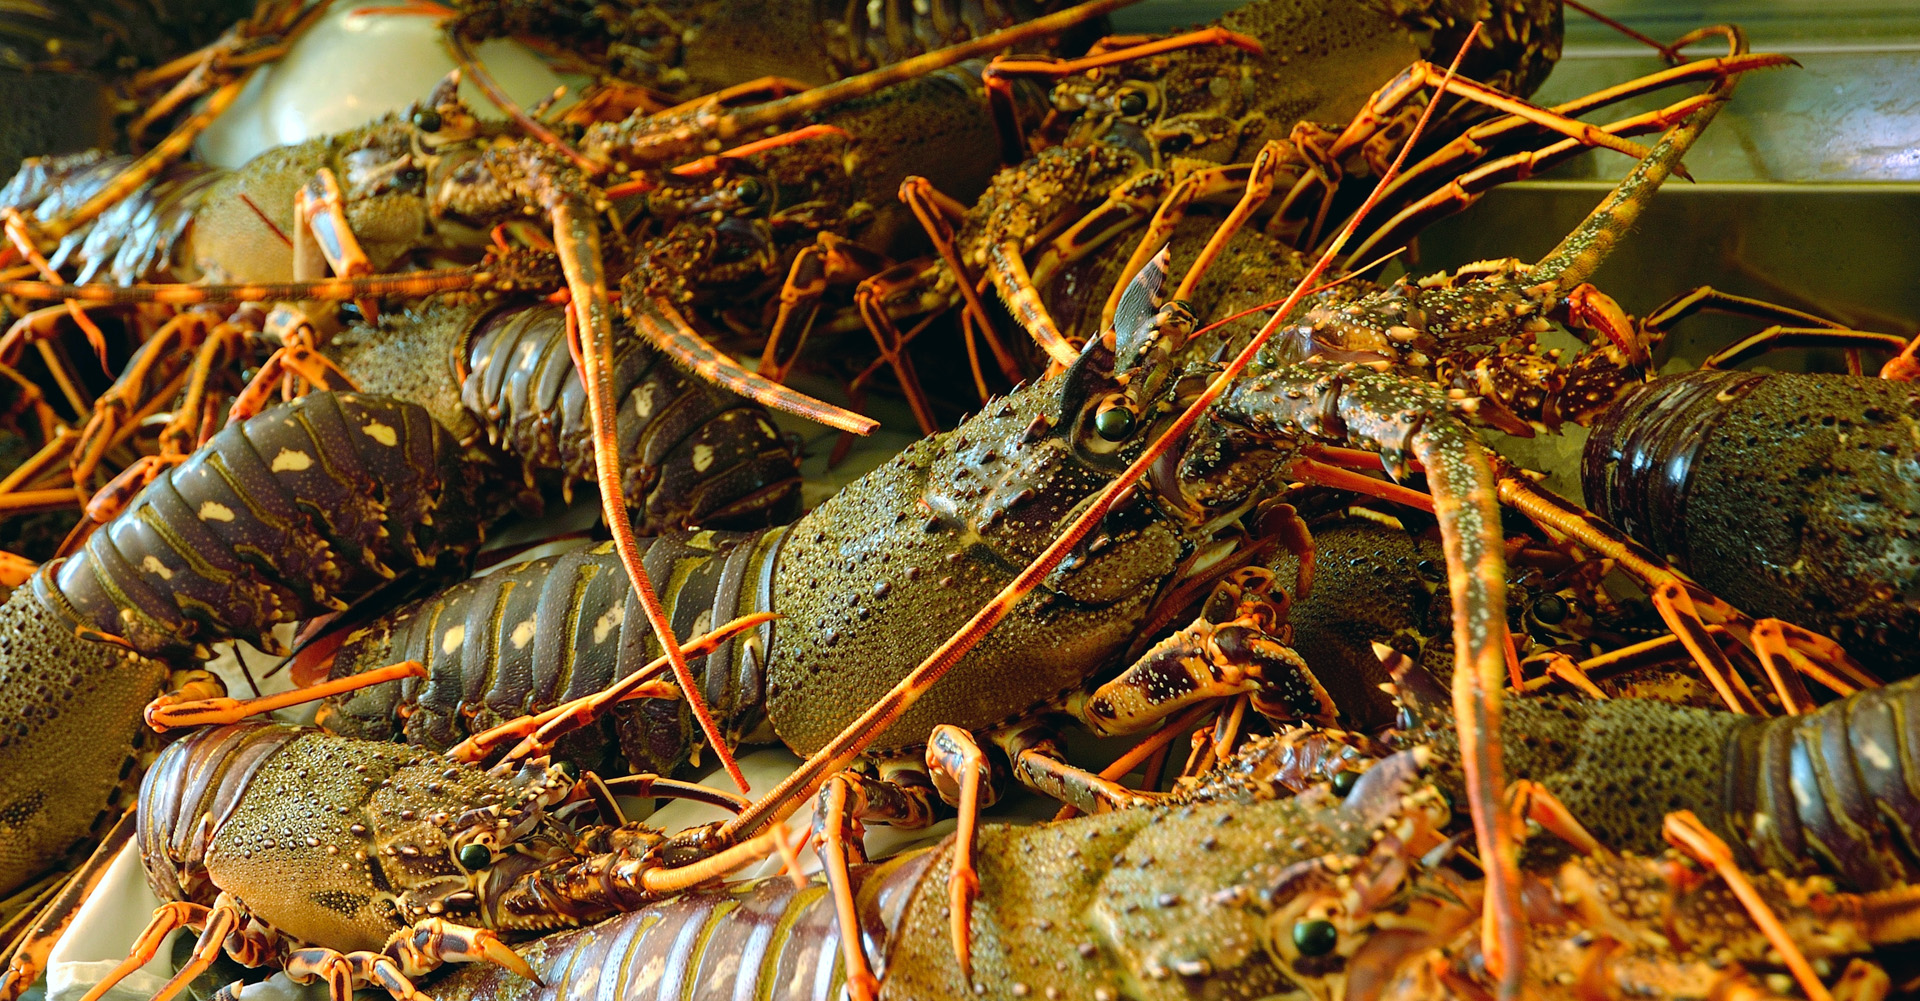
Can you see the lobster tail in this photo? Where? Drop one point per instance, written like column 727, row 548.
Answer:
column 692, row 455
column 299, row 510
column 528, row 637
column 1790, row 496
column 1834, row 787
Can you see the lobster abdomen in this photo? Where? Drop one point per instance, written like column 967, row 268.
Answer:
column 526, row 637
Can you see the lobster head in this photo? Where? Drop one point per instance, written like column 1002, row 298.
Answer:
column 1339, row 924
column 452, row 840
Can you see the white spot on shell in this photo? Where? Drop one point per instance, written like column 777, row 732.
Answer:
column 522, row 635
column 291, row 460
column 212, row 511
column 702, row 458
column 452, row 638
column 608, row 622
column 153, row 565
column 643, row 402
column 703, row 623
column 1876, row 755
column 381, row 433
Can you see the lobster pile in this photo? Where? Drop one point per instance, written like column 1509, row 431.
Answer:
column 1190, row 465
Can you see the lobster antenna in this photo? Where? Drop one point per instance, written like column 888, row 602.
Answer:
column 783, row 799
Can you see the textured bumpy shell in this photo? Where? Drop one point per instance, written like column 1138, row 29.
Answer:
column 1831, row 791
column 523, row 638
column 1794, row 496
column 882, row 572
column 1153, row 903
column 298, row 510
column 313, row 834
column 73, row 715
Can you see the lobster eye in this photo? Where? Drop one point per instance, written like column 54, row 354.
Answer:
column 1316, row 937
column 1550, row 609
column 1344, row 782
column 1114, row 423
column 749, row 192
column 427, row 120
column 1133, row 103
column 476, row 856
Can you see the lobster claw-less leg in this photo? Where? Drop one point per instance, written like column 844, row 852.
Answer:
column 410, row 952
column 1684, row 831
column 226, row 917
column 1784, row 650
column 846, row 803
column 938, row 214
column 178, row 708
column 1791, row 328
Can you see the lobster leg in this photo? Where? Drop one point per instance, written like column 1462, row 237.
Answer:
column 1234, row 648
column 1681, row 604
column 837, row 823
column 1040, row 764
column 216, row 923
column 172, row 711
column 870, row 299
column 937, row 213
column 1685, row 831
column 959, row 770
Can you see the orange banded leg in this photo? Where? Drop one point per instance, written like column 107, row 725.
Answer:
column 1530, row 800
column 845, row 803
column 1684, row 831
column 1689, row 610
column 959, row 771
column 937, row 214
column 1040, row 764
column 1234, row 648
column 215, row 924
column 173, row 711
column 869, row 299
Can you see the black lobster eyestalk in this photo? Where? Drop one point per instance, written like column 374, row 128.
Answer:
column 1792, row 496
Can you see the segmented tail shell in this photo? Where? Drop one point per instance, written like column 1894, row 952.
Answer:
column 691, row 455
column 299, row 510
column 765, row 940
column 526, row 637
column 189, row 792
column 1837, row 789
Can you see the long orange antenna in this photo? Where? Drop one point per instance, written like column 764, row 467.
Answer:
column 840, row 752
